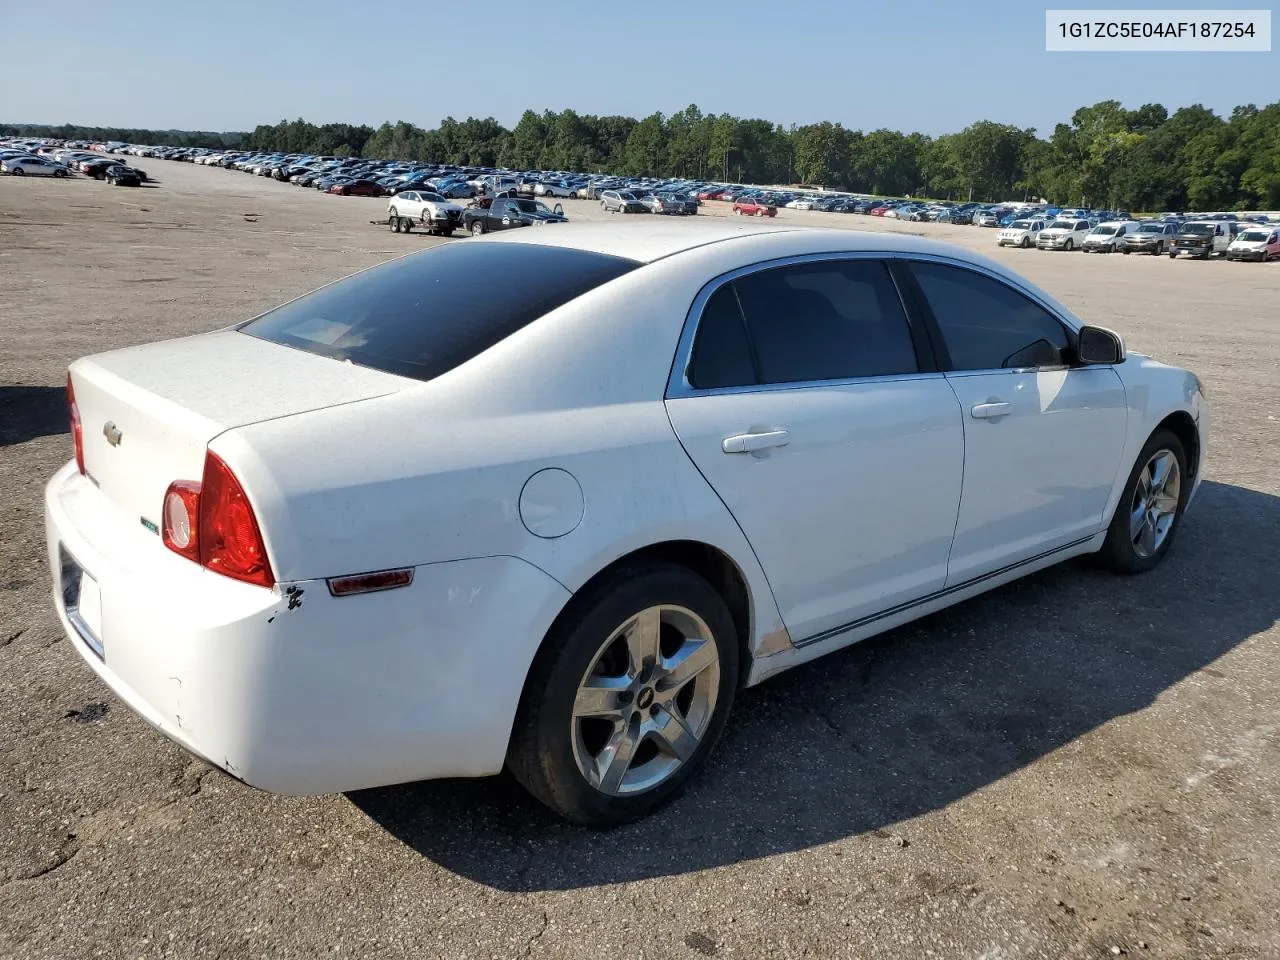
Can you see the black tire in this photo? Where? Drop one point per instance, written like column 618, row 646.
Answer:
column 59, row 174
column 406, row 224
column 17, row 172
column 540, row 754
column 477, row 228
column 1173, row 254
column 1159, row 248
column 1118, row 552
column 1125, row 251
column 1068, row 246
column 1026, row 242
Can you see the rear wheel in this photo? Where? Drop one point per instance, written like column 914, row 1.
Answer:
column 628, row 695
column 1150, row 509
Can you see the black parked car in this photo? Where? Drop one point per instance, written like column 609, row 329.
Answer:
column 122, row 176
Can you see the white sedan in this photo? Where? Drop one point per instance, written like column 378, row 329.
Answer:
column 32, row 167
column 425, row 208
column 421, row 524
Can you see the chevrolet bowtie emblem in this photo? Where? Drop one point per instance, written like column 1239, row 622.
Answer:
column 112, row 433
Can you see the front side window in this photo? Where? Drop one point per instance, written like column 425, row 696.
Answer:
column 829, row 320
column 988, row 325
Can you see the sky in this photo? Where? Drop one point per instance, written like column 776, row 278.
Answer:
column 932, row 66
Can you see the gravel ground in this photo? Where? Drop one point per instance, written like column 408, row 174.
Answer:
column 1074, row 765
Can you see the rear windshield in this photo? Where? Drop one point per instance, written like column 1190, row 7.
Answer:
column 422, row 315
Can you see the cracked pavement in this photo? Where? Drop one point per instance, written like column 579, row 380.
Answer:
column 1074, row 764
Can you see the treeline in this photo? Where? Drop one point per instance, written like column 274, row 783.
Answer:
column 170, row 138
column 1107, row 156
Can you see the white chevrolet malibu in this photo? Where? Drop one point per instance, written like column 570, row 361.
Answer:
column 550, row 499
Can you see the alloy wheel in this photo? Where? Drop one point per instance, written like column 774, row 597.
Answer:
column 1155, row 503
column 646, row 701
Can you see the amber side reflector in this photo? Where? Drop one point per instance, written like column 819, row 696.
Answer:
column 370, row 582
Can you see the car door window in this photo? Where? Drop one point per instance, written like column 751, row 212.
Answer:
column 826, row 320
column 988, row 325
column 721, row 351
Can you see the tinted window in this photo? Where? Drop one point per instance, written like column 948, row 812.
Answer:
column 721, row 352
column 986, row 324
column 826, row 321
column 422, row 315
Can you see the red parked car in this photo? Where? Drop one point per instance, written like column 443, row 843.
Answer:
column 357, row 188
column 713, row 194
column 754, row 208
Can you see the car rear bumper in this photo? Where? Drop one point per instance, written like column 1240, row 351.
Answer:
column 290, row 689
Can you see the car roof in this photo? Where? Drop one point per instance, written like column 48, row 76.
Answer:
column 647, row 242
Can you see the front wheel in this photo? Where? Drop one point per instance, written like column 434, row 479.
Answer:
column 627, row 696
column 1068, row 246
column 1173, row 254
column 477, row 228
column 17, row 172
column 59, row 174
column 1150, row 508
column 1159, row 248
column 1026, row 242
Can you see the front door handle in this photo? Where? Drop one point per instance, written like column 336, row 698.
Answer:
column 986, row 411
column 750, row 442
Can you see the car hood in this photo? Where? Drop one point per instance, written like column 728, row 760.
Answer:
column 1055, row 232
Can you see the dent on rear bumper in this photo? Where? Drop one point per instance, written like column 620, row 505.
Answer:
column 321, row 694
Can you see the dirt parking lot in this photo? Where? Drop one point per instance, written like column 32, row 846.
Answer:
column 1074, row 765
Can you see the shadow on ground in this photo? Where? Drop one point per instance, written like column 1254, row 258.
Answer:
column 30, row 412
column 894, row 727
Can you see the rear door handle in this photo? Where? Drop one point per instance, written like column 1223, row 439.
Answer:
column 986, row 411
column 750, row 442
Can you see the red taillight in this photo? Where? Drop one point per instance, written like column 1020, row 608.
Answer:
column 77, row 433
column 212, row 523
column 229, row 539
column 180, row 520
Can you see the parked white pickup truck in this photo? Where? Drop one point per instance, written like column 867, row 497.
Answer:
column 1063, row 235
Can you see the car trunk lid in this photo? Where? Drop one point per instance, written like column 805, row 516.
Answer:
column 148, row 413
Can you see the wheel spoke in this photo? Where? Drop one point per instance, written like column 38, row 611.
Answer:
column 1137, row 517
column 642, row 640
column 613, row 762
column 1161, row 470
column 1144, row 483
column 598, row 697
column 691, row 659
column 674, row 735
column 1147, row 539
column 1166, row 504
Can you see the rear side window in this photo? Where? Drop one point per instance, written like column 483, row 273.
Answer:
column 721, row 351
column 830, row 320
column 422, row 315
column 986, row 324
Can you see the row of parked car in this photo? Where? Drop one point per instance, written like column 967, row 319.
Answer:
column 26, row 158
column 1222, row 235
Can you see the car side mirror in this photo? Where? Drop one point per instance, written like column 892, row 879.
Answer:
column 1098, row 345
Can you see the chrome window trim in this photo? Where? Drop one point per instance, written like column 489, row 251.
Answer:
column 678, row 385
